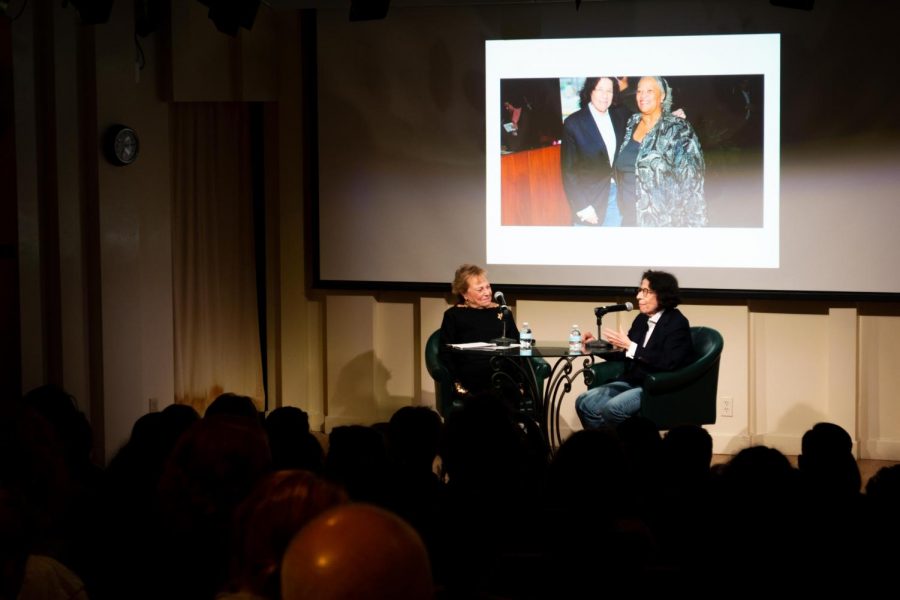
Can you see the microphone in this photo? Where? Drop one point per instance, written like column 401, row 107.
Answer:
column 500, row 299
column 602, row 310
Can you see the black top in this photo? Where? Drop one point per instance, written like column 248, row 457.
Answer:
column 626, row 164
column 463, row 325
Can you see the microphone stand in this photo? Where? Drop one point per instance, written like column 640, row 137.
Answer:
column 598, row 343
column 503, row 340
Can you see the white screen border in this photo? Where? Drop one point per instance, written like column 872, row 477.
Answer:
column 671, row 56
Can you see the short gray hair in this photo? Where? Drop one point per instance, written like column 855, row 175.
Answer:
column 666, row 91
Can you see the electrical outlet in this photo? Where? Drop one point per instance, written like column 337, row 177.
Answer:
column 726, row 404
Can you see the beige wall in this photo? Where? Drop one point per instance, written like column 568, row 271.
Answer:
column 119, row 304
column 342, row 357
column 135, row 241
column 879, row 387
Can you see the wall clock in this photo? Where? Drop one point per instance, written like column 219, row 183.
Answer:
column 122, row 145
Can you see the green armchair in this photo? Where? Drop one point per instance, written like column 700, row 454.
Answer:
column 681, row 397
column 446, row 399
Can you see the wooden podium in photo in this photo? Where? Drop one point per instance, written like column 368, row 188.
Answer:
column 531, row 189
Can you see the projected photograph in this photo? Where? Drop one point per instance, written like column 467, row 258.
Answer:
column 702, row 167
column 590, row 161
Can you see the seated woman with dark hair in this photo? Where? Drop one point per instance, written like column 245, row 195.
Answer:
column 659, row 340
column 476, row 318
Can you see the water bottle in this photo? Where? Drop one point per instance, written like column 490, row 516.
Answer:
column 525, row 337
column 575, row 340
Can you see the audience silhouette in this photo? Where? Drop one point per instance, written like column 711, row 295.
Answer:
column 234, row 405
column 357, row 460
column 211, row 470
column 264, row 524
column 128, row 501
column 293, row 445
column 471, row 507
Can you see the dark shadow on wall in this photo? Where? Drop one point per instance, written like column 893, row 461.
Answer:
column 361, row 393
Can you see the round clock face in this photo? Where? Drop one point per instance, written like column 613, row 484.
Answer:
column 125, row 145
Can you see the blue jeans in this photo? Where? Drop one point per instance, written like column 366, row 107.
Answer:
column 610, row 218
column 608, row 404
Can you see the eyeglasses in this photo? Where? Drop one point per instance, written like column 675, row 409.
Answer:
column 645, row 291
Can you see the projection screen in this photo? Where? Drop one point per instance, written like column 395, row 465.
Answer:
column 801, row 192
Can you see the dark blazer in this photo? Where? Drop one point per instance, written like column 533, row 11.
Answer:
column 669, row 347
column 584, row 159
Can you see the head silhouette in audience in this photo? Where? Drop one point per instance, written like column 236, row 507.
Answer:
column 760, row 472
column 590, row 469
column 213, row 468
column 131, row 482
column 293, row 445
column 884, row 487
column 178, row 418
column 483, row 447
column 413, row 437
column 826, row 462
column 757, row 503
column 280, row 504
column 883, row 493
column 136, row 468
column 356, row 551
column 33, row 467
column 592, row 490
column 687, row 453
column 643, row 452
column 416, row 491
column 881, row 549
column 357, row 460
column 71, row 428
column 234, row 405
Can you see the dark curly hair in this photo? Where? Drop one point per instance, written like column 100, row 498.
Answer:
column 590, row 83
column 666, row 287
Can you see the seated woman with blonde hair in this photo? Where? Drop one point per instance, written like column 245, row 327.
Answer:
column 475, row 318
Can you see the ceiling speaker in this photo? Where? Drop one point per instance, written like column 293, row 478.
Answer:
column 368, row 10
column 799, row 4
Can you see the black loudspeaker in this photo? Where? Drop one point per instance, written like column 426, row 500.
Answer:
column 229, row 15
column 799, row 4
column 92, row 12
column 148, row 16
column 368, row 10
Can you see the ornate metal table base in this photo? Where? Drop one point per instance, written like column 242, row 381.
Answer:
column 512, row 367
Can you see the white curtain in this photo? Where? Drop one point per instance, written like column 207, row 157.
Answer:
column 216, row 322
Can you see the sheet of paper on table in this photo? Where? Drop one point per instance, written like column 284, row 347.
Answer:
column 480, row 346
